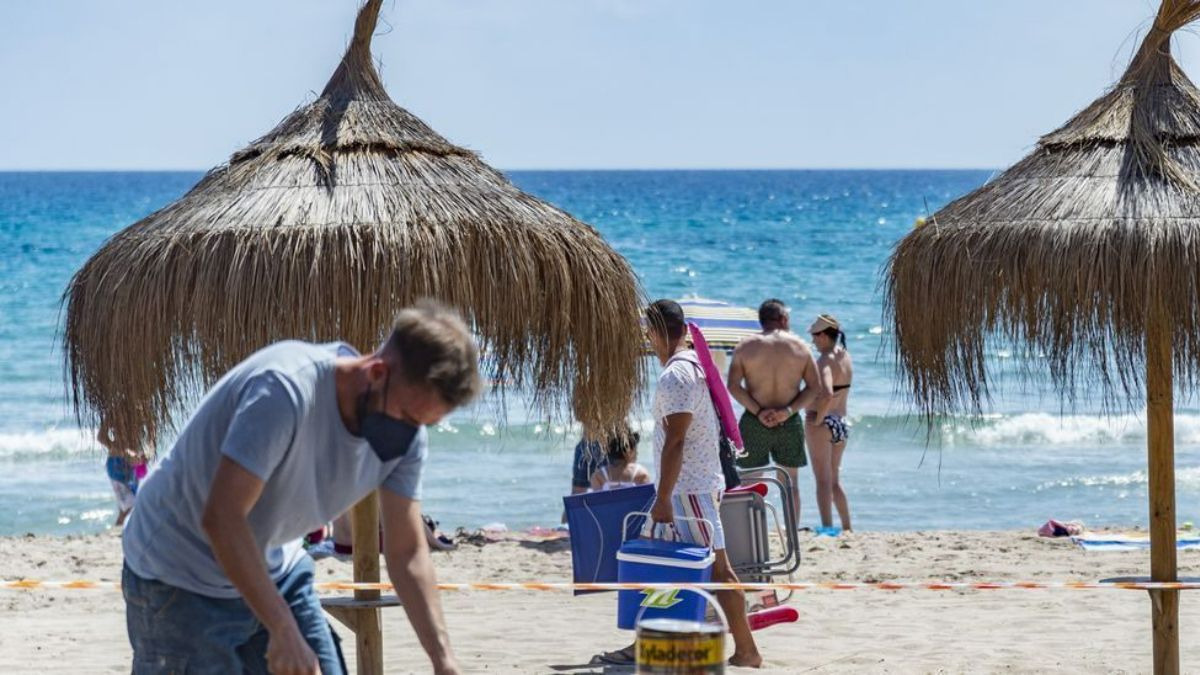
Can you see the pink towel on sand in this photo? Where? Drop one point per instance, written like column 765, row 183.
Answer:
column 1055, row 528
column 716, row 388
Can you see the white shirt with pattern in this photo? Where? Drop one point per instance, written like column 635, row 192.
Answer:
column 682, row 389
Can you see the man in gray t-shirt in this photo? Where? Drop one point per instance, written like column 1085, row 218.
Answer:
column 215, row 576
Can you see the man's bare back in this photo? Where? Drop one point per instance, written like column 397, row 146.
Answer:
column 773, row 366
column 766, row 377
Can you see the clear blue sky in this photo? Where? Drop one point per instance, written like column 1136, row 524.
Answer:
column 155, row 84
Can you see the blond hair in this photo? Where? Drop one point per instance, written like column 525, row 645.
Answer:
column 435, row 348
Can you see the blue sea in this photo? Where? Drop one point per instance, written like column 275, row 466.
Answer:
column 817, row 239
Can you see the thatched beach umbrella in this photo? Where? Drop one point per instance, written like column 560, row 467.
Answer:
column 348, row 210
column 1087, row 250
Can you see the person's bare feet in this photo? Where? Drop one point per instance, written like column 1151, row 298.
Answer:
column 752, row 660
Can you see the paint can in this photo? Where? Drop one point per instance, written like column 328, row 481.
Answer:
column 675, row 647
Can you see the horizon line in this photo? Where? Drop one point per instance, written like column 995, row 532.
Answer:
column 551, row 169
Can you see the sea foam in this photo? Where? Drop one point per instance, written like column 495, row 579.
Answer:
column 54, row 443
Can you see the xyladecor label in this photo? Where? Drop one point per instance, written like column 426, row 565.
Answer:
column 685, row 652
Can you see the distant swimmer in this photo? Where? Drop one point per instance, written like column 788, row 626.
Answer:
column 773, row 376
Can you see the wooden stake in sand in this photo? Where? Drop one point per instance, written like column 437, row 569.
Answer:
column 361, row 613
column 1160, row 427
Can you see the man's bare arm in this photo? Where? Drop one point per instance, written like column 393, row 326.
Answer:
column 234, row 492
column 410, row 568
column 737, row 375
column 676, row 427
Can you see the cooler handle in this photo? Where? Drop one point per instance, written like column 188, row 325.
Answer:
column 704, row 522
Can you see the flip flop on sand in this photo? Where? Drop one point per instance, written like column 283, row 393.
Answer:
column 620, row 657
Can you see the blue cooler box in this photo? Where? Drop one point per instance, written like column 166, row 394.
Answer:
column 659, row 561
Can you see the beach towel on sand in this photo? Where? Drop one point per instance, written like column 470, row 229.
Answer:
column 1101, row 541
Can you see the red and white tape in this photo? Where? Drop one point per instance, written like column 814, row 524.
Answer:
column 345, row 586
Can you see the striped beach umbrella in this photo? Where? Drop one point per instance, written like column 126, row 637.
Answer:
column 724, row 325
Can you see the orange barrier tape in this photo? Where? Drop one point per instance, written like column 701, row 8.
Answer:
column 346, row 586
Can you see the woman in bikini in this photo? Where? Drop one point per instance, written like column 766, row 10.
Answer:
column 825, row 426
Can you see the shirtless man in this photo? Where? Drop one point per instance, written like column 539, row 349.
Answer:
column 766, row 377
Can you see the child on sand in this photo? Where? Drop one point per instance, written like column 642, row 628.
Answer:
column 621, row 469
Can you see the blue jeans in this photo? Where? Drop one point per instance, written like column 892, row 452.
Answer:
column 177, row 631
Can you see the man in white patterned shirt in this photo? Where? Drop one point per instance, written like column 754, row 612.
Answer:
column 686, row 447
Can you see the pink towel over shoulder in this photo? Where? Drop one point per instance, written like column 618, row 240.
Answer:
column 716, row 388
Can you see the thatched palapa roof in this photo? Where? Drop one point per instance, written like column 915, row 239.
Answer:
column 1071, row 252
column 348, row 210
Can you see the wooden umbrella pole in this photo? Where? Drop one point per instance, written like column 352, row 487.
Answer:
column 368, row 635
column 1160, row 427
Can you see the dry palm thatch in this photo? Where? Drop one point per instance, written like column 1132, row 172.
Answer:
column 1073, row 251
column 348, row 210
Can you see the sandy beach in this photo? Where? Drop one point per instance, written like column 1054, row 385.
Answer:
column 260, row 259
column 1016, row 631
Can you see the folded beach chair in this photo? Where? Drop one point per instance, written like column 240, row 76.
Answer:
column 749, row 518
column 747, row 539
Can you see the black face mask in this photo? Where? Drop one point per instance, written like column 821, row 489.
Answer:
column 389, row 437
